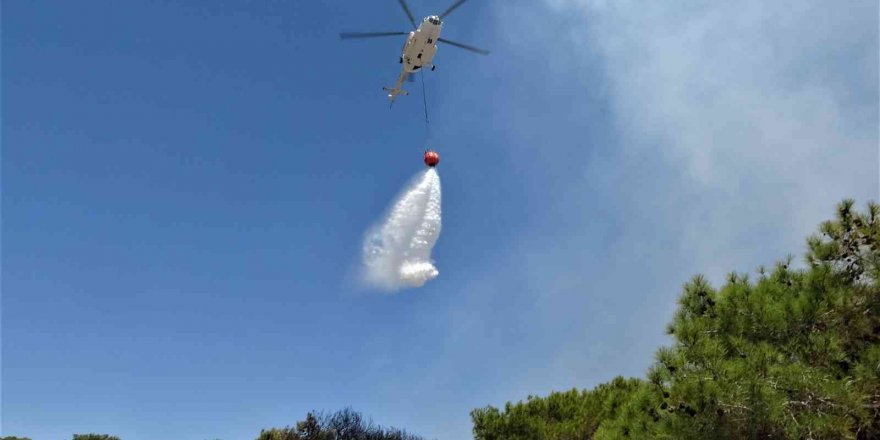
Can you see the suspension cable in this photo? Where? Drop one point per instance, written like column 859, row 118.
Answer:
column 424, row 97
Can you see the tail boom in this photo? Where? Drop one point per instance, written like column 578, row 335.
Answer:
column 397, row 90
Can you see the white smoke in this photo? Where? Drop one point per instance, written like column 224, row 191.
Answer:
column 397, row 252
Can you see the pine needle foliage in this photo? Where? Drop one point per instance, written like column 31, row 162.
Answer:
column 794, row 354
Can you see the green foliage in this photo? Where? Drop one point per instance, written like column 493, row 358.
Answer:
column 341, row 425
column 285, row 433
column 793, row 355
column 12, row 437
column 94, row 437
column 562, row 415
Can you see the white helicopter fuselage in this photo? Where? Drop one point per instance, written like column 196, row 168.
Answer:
column 418, row 52
column 420, row 46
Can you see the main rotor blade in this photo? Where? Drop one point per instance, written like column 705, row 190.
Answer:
column 464, row 46
column 408, row 14
column 451, row 8
column 353, row 35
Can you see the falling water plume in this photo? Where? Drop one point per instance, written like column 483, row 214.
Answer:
column 397, row 251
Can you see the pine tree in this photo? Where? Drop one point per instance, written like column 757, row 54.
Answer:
column 794, row 354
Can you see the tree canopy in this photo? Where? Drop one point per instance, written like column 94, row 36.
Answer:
column 792, row 354
column 94, row 437
column 345, row 424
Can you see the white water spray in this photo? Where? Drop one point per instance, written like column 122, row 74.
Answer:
column 397, row 252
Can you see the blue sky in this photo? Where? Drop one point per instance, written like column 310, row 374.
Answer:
column 186, row 185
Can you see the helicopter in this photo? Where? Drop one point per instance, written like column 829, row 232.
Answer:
column 420, row 46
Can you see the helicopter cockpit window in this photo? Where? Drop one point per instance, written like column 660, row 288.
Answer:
column 434, row 20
